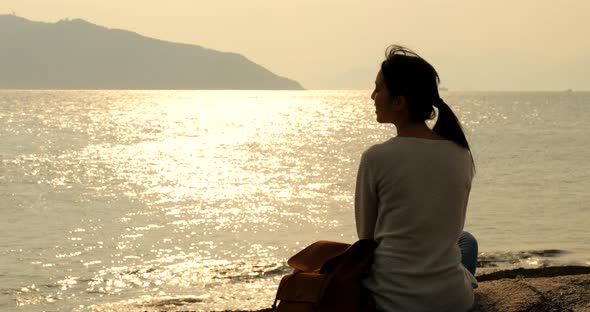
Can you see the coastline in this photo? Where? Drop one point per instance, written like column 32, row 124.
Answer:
column 557, row 288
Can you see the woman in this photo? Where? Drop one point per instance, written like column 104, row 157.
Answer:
column 412, row 193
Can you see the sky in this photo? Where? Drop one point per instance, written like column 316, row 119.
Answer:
column 501, row 45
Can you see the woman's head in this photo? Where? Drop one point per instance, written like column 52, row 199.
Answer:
column 407, row 90
column 408, row 75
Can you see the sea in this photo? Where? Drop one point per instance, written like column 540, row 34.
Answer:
column 194, row 200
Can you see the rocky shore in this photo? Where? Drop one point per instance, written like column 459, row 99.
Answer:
column 546, row 289
column 550, row 289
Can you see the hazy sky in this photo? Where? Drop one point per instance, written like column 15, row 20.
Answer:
column 475, row 45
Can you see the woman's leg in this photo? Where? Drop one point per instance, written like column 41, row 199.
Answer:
column 468, row 246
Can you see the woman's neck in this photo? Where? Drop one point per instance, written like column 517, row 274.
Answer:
column 417, row 130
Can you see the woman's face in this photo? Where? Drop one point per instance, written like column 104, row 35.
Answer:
column 384, row 106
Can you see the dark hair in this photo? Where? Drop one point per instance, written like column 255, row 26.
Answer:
column 406, row 74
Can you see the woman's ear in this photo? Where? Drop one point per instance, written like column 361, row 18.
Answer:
column 400, row 103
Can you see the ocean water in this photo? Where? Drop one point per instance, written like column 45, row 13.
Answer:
column 193, row 200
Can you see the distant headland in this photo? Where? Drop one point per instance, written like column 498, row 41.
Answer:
column 76, row 54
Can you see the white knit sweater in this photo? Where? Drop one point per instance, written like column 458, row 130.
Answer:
column 411, row 197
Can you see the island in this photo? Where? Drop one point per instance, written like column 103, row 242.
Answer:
column 76, row 54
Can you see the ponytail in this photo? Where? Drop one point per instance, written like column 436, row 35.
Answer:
column 448, row 126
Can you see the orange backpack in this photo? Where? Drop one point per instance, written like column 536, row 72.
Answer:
column 327, row 277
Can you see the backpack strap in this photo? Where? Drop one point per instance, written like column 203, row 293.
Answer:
column 281, row 286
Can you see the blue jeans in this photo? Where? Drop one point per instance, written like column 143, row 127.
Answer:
column 468, row 246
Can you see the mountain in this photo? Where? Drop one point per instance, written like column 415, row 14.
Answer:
column 75, row 54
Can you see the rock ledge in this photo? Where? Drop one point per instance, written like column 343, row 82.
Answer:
column 550, row 289
column 545, row 289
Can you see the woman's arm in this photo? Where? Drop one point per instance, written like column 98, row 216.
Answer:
column 365, row 200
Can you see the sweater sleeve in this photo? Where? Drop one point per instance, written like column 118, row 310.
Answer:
column 365, row 200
